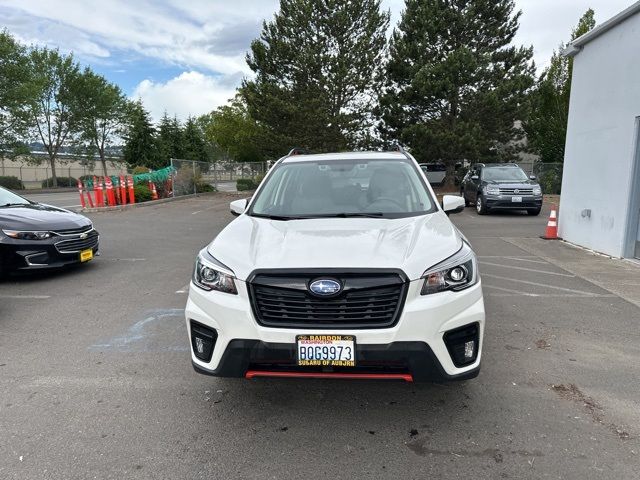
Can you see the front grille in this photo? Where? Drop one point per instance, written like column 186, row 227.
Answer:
column 77, row 244
column 512, row 191
column 73, row 231
column 368, row 300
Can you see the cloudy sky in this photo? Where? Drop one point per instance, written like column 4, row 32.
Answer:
column 187, row 56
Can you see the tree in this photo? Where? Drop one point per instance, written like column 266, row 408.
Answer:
column 54, row 104
column 194, row 144
column 104, row 114
column 547, row 125
column 316, row 66
column 140, row 147
column 232, row 130
column 456, row 85
column 14, row 91
column 170, row 138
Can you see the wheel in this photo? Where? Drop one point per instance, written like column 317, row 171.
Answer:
column 534, row 211
column 481, row 208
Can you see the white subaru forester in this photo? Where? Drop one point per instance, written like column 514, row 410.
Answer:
column 341, row 265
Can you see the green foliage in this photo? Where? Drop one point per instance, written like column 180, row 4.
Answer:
column 14, row 91
column 203, row 187
column 194, row 144
column 243, row 184
column 140, row 146
column 170, row 139
column 104, row 108
column 456, row 84
column 138, row 170
column 317, row 70
column 141, row 193
column 234, row 132
column 12, row 183
column 55, row 105
column 546, row 127
column 61, row 182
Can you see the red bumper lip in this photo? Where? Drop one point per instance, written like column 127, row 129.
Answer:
column 407, row 377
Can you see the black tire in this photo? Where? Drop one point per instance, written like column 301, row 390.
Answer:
column 481, row 207
column 534, row 211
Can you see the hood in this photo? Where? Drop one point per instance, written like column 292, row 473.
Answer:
column 38, row 216
column 511, row 183
column 411, row 244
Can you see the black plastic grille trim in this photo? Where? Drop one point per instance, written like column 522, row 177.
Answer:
column 77, row 244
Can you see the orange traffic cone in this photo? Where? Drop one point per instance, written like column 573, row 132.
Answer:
column 154, row 193
column 551, row 232
column 132, row 196
column 81, row 193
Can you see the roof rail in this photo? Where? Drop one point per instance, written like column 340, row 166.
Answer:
column 400, row 148
column 298, row 151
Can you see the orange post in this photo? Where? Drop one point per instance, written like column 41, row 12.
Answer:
column 132, row 195
column 111, row 199
column 97, row 186
column 123, row 190
column 88, row 192
column 81, row 195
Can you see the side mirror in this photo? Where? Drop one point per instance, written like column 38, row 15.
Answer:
column 452, row 204
column 475, row 177
column 532, row 177
column 238, row 207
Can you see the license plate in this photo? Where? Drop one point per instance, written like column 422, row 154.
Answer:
column 326, row 350
column 516, row 199
column 86, row 255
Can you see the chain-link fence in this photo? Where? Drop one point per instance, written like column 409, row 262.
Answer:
column 40, row 176
column 549, row 175
column 197, row 177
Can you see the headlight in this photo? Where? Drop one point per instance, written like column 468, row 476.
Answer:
column 492, row 190
column 537, row 190
column 457, row 272
column 209, row 274
column 27, row 235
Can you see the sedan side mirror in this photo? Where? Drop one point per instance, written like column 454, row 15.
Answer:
column 238, row 207
column 532, row 177
column 452, row 204
column 475, row 177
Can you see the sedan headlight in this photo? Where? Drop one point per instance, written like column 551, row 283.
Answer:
column 492, row 190
column 457, row 272
column 27, row 235
column 537, row 190
column 209, row 274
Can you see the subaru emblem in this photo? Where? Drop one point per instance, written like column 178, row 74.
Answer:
column 325, row 287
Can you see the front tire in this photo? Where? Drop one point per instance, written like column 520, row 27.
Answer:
column 481, row 207
column 534, row 211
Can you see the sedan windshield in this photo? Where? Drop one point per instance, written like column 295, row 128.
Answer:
column 8, row 198
column 504, row 174
column 343, row 188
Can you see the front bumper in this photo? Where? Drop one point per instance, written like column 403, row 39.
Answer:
column 506, row 202
column 415, row 345
column 25, row 255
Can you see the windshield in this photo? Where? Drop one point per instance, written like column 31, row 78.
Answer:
column 377, row 188
column 504, row 174
column 9, row 198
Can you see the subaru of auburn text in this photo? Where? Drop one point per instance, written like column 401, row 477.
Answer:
column 341, row 265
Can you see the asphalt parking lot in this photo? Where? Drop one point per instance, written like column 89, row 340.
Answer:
column 96, row 379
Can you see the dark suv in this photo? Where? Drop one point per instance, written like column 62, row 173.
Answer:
column 501, row 186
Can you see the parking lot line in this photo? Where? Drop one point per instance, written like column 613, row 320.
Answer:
column 568, row 275
column 516, row 293
column 545, row 285
column 23, row 297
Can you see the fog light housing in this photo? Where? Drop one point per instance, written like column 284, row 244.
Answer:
column 203, row 340
column 462, row 344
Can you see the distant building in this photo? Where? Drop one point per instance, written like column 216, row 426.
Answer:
column 600, row 203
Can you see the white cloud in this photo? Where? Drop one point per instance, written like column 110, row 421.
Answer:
column 190, row 93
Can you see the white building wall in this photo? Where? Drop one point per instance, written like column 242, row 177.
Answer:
column 600, row 147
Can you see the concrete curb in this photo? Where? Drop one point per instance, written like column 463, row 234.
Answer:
column 38, row 191
column 146, row 204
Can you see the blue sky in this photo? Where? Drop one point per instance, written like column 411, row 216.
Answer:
column 187, row 57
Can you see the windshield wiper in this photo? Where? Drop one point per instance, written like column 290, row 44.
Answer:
column 283, row 218
column 13, row 204
column 353, row 214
